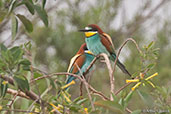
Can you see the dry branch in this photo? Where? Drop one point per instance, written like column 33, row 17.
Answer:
column 112, row 86
column 18, row 93
column 30, row 94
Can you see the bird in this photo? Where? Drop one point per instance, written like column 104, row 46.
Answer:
column 99, row 42
column 79, row 63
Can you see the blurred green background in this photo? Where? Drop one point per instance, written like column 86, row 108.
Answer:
column 55, row 45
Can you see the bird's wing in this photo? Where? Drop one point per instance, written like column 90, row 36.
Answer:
column 76, row 61
column 73, row 59
column 110, row 39
column 107, row 42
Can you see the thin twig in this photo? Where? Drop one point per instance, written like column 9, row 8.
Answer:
column 120, row 89
column 18, row 110
column 139, row 50
column 129, row 39
column 77, row 76
column 85, row 83
column 81, row 89
column 14, row 98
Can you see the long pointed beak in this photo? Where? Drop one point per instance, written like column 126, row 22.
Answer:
column 83, row 30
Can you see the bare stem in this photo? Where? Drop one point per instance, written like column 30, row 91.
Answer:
column 112, row 86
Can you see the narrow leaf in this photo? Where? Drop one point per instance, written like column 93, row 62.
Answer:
column 30, row 6
column 82, row 101
column 13, row 5
column 150, row 66
column 28, row 25
column 14, row 26
column 128, row 97
column 150, row 45
column 4, row 87
column 42, row 14
column 43, row 3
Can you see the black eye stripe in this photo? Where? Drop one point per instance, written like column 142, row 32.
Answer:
column 94, row 29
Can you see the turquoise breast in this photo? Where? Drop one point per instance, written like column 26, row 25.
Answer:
column 94, row 45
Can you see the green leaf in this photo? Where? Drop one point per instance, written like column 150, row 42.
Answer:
column 25, row 62
column 3, row 88
column 12, row 6
column 146, row 98
column 22, row 83
column 28, row 25
column 121, row 102
column 42, row 14
column 82, row 101
column 136, row 112
column 150, row 66
column 36, row 74
column 75, row 108
column 115, row 98
column 43, row 3
column 128, row 97
column 2, row 15
column 30, row 6
column 77, row 99
column 150, row 45
column 3, row 47
column 114, row 107
column 16, row 52
column 14, row 26
column 26, row 67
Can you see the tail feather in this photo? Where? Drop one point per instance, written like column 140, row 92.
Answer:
column 70, row 78
column 120, row 65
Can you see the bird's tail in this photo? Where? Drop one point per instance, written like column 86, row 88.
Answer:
column 69, row 80
column 121, row 66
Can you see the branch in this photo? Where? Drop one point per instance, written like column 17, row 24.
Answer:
column 112, row 86
column 74, row 75
column 30, row 94
column 139, row 50
column 86, row 84
column 18, row 110
column 129, row 39
column 18, row 93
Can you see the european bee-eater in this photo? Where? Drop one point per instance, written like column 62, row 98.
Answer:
column 99, row 42
column 82, row 59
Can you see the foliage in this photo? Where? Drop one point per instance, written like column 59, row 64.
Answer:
column 50, row 48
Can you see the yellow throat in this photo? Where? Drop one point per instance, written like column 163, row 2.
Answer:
column 88, row 34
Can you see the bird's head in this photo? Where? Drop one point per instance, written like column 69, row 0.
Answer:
column 91, row 30
column 83, row 49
